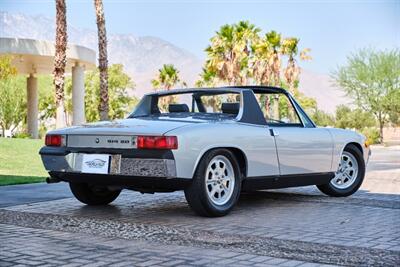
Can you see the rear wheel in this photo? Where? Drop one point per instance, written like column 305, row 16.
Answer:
column 349, row 176
column 93, row 195
column 216, row 184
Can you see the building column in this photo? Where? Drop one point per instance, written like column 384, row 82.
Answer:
column 33, row 107
column 78, row 95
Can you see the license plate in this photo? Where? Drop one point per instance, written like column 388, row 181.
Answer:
column 95, row 163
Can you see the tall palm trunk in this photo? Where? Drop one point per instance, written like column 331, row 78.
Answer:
column 103, row 62
column 276, row 71
column 60, row 60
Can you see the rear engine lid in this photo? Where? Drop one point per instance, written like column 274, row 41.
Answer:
column 125, row 127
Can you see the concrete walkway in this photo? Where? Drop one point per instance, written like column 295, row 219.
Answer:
column 12, row 195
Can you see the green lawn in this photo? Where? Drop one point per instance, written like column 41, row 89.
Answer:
column 20, row 162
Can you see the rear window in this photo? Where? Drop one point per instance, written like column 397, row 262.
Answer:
column 224, row 103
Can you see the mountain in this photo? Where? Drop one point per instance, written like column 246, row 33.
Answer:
column 322, row 88
column 142, row 56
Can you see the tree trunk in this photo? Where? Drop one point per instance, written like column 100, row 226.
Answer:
column 381, row 124
column 103, row 62
column 276, row 107
column 60, row 60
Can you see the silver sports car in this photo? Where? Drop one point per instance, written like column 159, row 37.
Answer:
column 213, row 143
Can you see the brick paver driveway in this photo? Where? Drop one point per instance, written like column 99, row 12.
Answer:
column 291, row 227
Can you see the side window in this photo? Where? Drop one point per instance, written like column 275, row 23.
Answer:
column 278, row 110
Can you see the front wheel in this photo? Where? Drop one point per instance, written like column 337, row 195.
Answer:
column 216, row 184
column 93, row 195
column 349, row 176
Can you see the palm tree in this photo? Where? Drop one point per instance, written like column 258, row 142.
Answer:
column 167, row 78
column 229, row 51
column 103, row 62
column 60, row 60
column 260, row 59
column 266, row 66
column 220, row 54
column 246, row 34
column 292, row 70
column 208, row 79
column 274, row 39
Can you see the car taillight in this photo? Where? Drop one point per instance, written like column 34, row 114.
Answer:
column 54, row 140
column 157, row 142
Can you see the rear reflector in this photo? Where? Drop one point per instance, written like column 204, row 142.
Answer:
column 157, row 142
column 54, row 140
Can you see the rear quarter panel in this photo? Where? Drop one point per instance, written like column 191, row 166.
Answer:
column 254, row 141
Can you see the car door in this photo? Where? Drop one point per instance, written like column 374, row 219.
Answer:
column 301, row 147
column 303, row 150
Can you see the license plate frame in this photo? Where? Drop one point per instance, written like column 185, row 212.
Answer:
column 96, row 163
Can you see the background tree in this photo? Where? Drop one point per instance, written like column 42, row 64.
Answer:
column 291, row 71
column 60, row 60
column 358, row 119
column 207, row 78
column 12, row 97
column 7, row 70
column 274, row 39
column 322, row 118
column 392, row 107
column 262, row 52
column 229, row 52
column 121, row 103
column 167, row 78
column 103, row 62
column 372, row 78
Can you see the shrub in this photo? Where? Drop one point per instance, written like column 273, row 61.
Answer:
column 322, row 118
column 372, row 135
column 22, row 135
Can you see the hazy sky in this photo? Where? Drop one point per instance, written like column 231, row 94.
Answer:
column 332, row 29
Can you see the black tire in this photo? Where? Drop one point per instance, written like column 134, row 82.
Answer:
column 93, row 195
column 196, row 194
column 330, row 190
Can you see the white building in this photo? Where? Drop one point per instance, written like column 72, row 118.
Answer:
column 32, row 57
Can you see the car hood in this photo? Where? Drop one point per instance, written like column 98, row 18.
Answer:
column 134, row 126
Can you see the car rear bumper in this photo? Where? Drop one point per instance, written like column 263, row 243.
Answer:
column 122, row 163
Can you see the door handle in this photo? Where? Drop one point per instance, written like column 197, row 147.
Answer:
column 273, row 132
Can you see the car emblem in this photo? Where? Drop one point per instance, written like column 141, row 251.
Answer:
column 97, row 140
column 96, row 163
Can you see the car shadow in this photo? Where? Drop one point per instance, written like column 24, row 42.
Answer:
column 168, row 208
